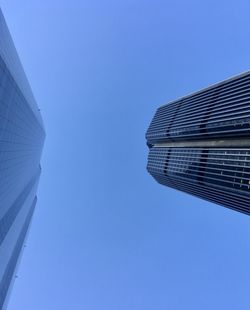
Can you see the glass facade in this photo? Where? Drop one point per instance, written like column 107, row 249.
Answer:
column 21, row 141
column 200, row 144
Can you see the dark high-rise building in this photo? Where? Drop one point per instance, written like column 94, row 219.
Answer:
column 200, row 144
column 21, row 141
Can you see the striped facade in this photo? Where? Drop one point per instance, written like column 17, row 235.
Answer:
column 200, row 144
column 21, row 141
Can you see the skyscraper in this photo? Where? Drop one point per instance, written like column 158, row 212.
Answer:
column 21, row 141
column 200, row 144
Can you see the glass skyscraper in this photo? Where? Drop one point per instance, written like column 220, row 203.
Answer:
column 200, row 144
column 21, row 141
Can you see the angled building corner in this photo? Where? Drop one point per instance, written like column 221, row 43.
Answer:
column 22, row 137
column 200, row 144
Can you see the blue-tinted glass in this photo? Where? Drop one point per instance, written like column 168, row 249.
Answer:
column 21, row 141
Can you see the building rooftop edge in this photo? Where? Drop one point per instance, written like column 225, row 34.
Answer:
column 234, row 77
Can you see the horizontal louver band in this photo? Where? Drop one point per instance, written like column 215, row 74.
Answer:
column 202, row 171
column 222, row 110
column 217, row 196
column 224, row 167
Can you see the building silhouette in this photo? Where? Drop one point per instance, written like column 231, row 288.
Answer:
column 21, row 141
column 200, row 144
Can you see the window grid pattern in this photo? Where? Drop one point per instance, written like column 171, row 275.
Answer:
column 8, row 274
column 9, row 55
column 22, row 137
column 8, row 219
column 225, row 169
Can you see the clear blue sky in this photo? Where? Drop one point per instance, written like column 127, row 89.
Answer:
column 105, row 236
